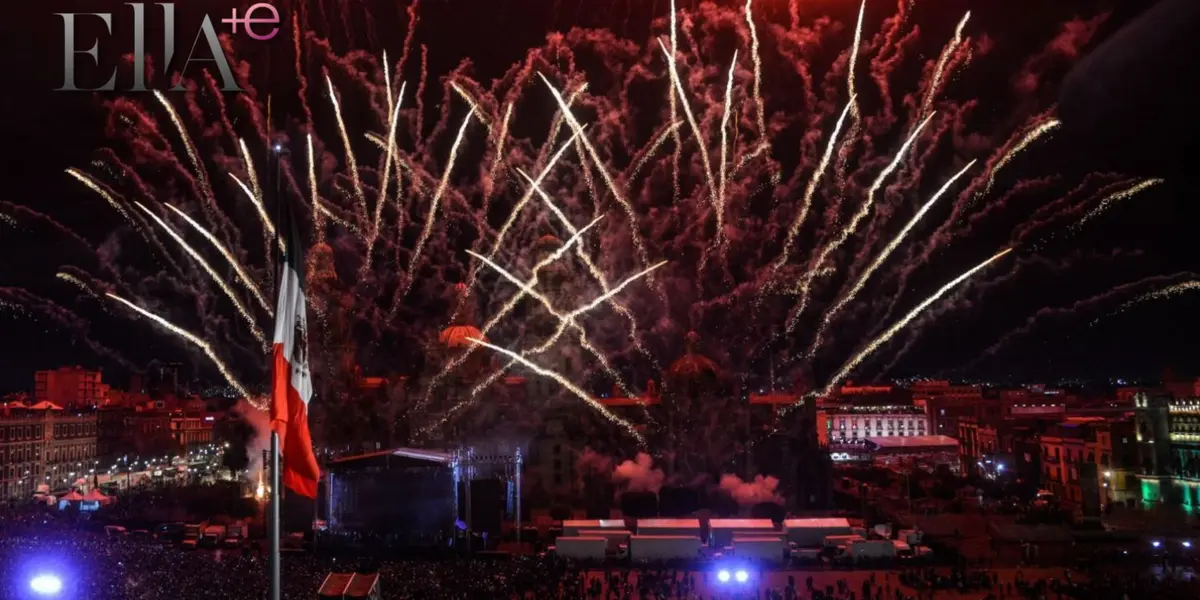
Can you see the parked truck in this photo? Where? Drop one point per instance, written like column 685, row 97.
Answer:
column 860, row 550
column 212, row 536
column 583, row 548
column 191, row 536
column 762, row 549
column 649, row 548
column 810, row 533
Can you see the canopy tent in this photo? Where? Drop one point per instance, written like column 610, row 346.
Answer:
column 45, row 405
column 72, row 497
column 96, row 495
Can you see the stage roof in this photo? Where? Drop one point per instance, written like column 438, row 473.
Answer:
column 394, row 457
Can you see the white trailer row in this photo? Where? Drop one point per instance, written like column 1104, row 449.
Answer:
column 762, row 550
column 591, row 548
column 652, row 548
column 808, row 533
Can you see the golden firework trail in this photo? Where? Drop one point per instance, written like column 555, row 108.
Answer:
column 387, row 81
column 433, row 204
column 691, row 119
column 389, row 158
column 351, row 161
column 318, row 210
column 612, row 186
column 228, row 256
column 813, row 183
column 1032, row 136
column 571, row 387
column 201, row 174
column 250, row 171
column 237, row 304
column 499, row 158
column 1163, row 294
column 803, row 286
column 725, row 145
column 474, row 106
column 940, row 69
column 268, row 226
column 855, row 115
column 204, row 347
column 1115, row 197
column 597, row 274
column 563, row 322
column 758, row 101
column 77, row 282
column 653, row 148
column 674, row 109
column 91, row 184
column 504, row 311
column 891, row 331
column 887, row 251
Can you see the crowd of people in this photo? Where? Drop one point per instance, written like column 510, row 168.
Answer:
column 97, row 566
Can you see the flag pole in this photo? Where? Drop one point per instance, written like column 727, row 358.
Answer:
column 273, row 517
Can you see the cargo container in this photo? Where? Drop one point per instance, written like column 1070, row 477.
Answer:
column 722, row 531
column 811, row 533
column 615, row 537
column 582, row 548
column 871, row 549
column 650, row 548
column 571, row 528
column 685, row 527
column 760, row 550
column 836, row 541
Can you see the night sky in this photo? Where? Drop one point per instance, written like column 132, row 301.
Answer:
column 1138, row 123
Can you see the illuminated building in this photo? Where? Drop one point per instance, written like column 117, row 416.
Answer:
column 850, row 422
column 1168, row 437
column 22, row 437
column 70, row 387
column 946, row 404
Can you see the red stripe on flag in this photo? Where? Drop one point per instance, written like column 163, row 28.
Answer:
column 289, row 418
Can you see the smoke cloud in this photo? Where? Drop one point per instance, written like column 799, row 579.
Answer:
column 748, row 493
column 261, row 440
column 639, row 474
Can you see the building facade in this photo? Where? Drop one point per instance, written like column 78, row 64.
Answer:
column 1168, row 439
column 70, row 387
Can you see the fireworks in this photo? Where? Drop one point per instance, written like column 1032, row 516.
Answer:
column 399, row 212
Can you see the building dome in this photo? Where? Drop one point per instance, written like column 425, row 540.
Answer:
column 459, row 336
column 693, row 365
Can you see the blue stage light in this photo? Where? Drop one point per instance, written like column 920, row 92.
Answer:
column 723, row 576
column 46, row 584
column 741, row 575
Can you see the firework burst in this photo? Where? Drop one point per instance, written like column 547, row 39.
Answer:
column 400, row 211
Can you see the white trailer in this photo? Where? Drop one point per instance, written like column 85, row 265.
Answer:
column 722, row 531
column 871, row 549
column 589, row 548
column 615, row 537
column 760, row 549
column 686, row 527
column 572, row 528
column 835, row 541
column 810, row 533
column 647, row 548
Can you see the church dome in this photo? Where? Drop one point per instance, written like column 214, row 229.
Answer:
column 459, row 336
column 693, row 365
